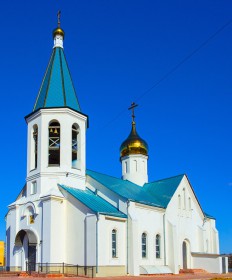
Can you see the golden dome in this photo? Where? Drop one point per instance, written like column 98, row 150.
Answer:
column 133, row 145
column 58, row 31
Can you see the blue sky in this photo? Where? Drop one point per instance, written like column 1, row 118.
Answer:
column 116, row 51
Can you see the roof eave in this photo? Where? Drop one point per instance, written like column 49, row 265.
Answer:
column 32, row 113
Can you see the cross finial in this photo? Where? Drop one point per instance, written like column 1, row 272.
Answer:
column 58, row 17
column 132, row 108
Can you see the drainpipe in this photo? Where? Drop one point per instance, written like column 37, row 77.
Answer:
column 127, row 237
column 41, row 240
column 97, row 242
column 165, row 261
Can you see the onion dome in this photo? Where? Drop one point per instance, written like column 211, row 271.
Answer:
column 58, row 31
column 134, row 144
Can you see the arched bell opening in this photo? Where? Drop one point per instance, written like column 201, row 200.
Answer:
column 75, row 146
column 54, row 143
column 25, row 249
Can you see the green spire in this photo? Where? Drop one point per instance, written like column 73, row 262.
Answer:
column 57, row 88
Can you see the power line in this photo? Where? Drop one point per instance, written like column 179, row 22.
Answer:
column 175, row 68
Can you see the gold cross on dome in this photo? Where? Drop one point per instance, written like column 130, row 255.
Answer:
column 132, row 108
column 58, row 17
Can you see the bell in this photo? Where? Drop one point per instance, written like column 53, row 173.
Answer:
column 51, row 130
column 55, row 131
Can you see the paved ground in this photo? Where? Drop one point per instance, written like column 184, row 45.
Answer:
column 172, row 277
column 204, row 276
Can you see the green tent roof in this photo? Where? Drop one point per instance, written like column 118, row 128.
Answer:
column 57, row 88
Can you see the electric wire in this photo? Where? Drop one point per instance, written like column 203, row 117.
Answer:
column 174, row 69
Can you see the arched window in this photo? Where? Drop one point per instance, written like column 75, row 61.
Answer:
column 114, row 243
column 75, row 133
column 157, row 246
column 35, row 147
column 144, row 245
column 54, row 144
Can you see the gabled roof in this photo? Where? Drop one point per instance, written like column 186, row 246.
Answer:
column 164, row 189
column 57, row 88
column 126, row 189
column 94, row 202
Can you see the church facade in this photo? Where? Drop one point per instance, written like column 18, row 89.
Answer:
column 66, row 213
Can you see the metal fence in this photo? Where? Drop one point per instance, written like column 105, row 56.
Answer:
column 61, row 268
column 10, row 269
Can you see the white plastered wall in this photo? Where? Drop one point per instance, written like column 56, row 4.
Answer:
column 186, row 222
column 134, row 169
column 50, row 176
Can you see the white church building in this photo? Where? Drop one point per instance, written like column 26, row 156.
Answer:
column 66, row 213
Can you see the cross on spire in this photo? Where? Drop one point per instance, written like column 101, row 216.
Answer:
column 132, row 108
column 58, row 17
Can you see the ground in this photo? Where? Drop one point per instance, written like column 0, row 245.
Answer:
column 205, row 276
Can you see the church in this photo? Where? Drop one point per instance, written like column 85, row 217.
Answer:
column 69, row 214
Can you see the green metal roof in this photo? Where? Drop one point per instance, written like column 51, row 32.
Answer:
column 94, row 202
column 158, row 193
column 164, row 189
column 126, row 189
column 57, row 88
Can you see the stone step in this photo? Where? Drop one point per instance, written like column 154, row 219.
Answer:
column 193, row 271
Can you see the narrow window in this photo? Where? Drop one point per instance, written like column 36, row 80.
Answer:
column 144, row 245
column 35, row 147
column 114, row 243
column 33, row 187
column 75, row 133
column 126, row 167
column 157, row 246
column 54, row 144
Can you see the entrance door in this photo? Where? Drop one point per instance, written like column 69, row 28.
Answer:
column 184, row 252
column 31, row 257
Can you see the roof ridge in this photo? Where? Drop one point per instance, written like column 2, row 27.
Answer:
column 106, row 175
column 171, row 177
column 113, row 177
column 44, row 76
column 114, row 211
column 71, row 80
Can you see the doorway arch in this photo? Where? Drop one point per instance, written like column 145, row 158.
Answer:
column 186, row 254
column 26, row 247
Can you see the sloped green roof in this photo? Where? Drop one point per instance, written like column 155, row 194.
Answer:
column 57, row 89
column 164, row 189
column 94, row 202
column 126, row 189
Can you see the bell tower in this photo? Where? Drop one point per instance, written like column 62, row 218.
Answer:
column 56, row 128
column 134, row 155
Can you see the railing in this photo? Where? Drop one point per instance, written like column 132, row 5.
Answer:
column 10, row 269
column 61, row 268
